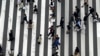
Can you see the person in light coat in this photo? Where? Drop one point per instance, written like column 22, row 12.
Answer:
column 39, row 39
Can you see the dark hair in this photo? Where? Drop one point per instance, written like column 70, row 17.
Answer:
column 77, row 49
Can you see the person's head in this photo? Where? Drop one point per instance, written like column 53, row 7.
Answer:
column 21, row 0
column 40, row 34
column 77, row 49
column 35, row 6
column 12, row 49
column 90, row 7
column 76, row 6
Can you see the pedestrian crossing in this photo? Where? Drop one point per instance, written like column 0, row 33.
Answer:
column 26, row 39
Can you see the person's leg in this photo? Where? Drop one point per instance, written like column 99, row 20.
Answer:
column 57, row 47
column 62, row 25
column 78, row 26
column 49, row 33
column 26, row 20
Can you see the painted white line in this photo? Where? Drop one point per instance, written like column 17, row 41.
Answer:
column 90, row 36
column 2, row 19
column 16, row 48
column 49, row 40
column 66, row 49
column 98, row 42
column 34, row 32
column 10, row 20
column 90, row 22
column 25, row 37
column 58, row 30
column 41, row 50
column 83, row 31
column 98, row 27
column 74, row 32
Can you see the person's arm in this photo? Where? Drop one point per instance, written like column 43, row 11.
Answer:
column 97, row 15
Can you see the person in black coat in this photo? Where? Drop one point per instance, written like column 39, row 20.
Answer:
column 35, row 9
column 11, row 37
column 33, row 1
column 28, row 0
column 77, row 9
column 55, row 54
column 77, row 51
column 30, row 23
column 91, row 10
column 62, row 22
column 85, row 18
column 24, row 19
column 0, row 49
column 68, row 28
column 75, row 15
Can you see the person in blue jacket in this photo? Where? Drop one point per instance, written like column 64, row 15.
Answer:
column 56, row 43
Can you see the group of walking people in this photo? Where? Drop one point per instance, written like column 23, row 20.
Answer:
column 77, row 20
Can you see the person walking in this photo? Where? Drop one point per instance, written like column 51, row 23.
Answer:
column 52, row 31
column 56, row 43
column 85, row 3
column 78, row 24
column 39, row 39
column 1, row 50
column 24, row 19
column 11, row 37
column 55, row 54
column 91, row 10
column 35, row 9
column 30, row 23
column 76, row 53
column 62, row 22
column 85, row 18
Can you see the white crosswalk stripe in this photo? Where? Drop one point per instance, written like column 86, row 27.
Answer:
column 16, row 48
column 2, row 16
column 74, row 32
column 10, row 19
column 58, row 30
column 41, row 47
column 90, row 22
column 34, row 32
column 66, row 35
column 83, row 31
